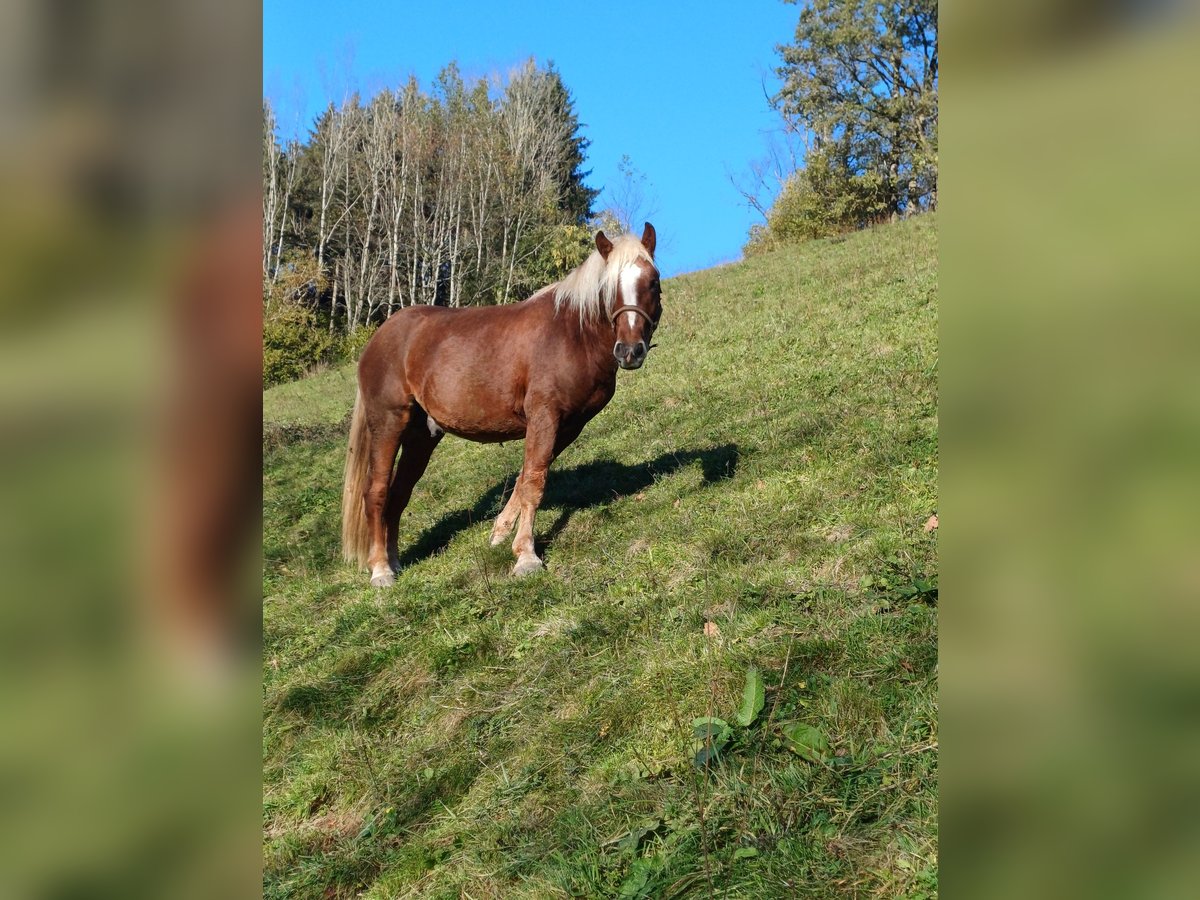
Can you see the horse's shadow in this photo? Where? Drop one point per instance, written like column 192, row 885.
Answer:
column 581, row 487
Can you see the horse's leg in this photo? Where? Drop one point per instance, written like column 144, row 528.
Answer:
column 523, row 504
column 566, row 433
column 386, row 430
column 416, row 447
column 508, row 516
column 544, row 440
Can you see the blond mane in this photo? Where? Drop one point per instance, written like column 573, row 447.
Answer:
column 590, row 288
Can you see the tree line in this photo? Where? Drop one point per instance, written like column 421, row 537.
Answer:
column 468, row 193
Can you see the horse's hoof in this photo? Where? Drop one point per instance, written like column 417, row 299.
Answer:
column 384, row 579
column 497, row 538
column 527, row 564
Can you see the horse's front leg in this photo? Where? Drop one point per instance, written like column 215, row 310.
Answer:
column 540, row 439
column 565, row 433
column 508, row 516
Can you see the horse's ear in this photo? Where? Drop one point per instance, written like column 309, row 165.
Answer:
column 603, row 244
column 649, row 238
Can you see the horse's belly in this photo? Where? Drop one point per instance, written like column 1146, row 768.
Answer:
column 468, row 388
column 484, row 435
column 475, row 416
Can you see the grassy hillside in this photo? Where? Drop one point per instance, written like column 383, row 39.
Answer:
column 756, row 495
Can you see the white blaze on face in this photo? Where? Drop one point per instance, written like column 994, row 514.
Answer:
column 629, row 280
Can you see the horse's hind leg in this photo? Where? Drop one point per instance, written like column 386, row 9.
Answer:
column 416, row 447
column 386, row 427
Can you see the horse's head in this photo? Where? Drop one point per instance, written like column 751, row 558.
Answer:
column 637, row 304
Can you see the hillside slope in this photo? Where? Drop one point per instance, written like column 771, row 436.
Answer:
column 756, row 495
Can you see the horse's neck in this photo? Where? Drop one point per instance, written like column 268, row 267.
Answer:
column 596, row 340
column 594, row 336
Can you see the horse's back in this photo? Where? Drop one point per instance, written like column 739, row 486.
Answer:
column 467, row 368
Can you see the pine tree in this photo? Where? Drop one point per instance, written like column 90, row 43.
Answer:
column 576, row 197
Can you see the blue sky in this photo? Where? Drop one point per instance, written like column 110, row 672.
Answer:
column 679, row 87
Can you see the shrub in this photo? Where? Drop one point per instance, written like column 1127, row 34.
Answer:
column 293, row 342
column 550, row 253
column 352, row 344
column 761, row 240
column 823, row 199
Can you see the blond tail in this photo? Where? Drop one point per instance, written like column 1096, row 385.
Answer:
column 356, row 536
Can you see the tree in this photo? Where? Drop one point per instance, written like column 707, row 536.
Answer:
column 279, row 177
column 765, row 177
column 629, row 202
column 575, row 198
column 862, row 77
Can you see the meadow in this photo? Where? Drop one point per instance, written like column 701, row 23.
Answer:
column 724, row 682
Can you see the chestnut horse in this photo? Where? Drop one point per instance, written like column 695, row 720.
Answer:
column 539, row 369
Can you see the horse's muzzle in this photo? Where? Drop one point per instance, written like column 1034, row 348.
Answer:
column 630, row 356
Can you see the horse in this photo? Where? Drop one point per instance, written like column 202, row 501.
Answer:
column 540, row 370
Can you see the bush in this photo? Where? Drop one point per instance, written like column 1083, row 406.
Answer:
column 550, row 253
column 821, row 200
column 293, row 342
column 352, row 344
column 761, row 240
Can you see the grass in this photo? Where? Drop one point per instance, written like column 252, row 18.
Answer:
column 756, row 495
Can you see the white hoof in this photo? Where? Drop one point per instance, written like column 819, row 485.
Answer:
column 527, row 564
column 498, row 538
column 383, row 579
